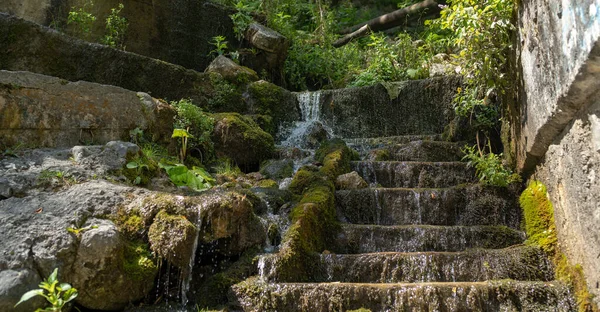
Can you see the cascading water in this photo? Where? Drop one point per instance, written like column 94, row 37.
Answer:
column 303, row 134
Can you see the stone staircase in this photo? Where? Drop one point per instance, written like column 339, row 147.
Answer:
column 422, row 237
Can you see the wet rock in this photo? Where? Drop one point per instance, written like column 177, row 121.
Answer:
column 350, row 181
column 104, row 273
column 231, row 71
column 39, row 110
column 378, row 155
column 242, row 140
column 278, row 169
column 229, row 218
column 172, row 237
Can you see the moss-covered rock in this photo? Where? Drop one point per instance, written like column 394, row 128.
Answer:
column 278, row 168
column 266, row 98
column 172, row 238
column 242, row 140
column 231, row 71
column 335, row 156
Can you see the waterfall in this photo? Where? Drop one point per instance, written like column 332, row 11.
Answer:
column 308, row 132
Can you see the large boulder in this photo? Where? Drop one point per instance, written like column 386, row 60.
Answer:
column 173, row 237
column 39, row 110
column 350, row 181
column 242, row 140
column 231, row 71
column 109, row 271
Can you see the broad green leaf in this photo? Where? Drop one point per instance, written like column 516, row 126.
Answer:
column 53, row 277
column 64, row 287
column 132, row 165
column 181, row 133
column 70, row 295
column 30, row 294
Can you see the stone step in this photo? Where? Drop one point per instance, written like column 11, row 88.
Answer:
column 507, row 295
column 364, row 145
column 426, row 151
column 462, row 205
column 414, row 174
column 355, row 238
column 517, row 262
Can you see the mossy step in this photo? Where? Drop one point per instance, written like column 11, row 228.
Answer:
column 506, row 295
column 414, row 173
column 462, row 205
column 517, row 262
column 364, row 145
column 354, row 238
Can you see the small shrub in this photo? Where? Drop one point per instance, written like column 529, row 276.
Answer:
column 198, row 125
column 220, row 45
column 57, row 294
column 489, row 167
column 116, row 28
column 82, row 19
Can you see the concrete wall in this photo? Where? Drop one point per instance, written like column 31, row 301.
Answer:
column 557, row 133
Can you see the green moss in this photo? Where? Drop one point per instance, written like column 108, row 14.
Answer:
column 171, row 237
column 265, row 122
column 541, row 231
column 131, row 224
column 138, row 262
column 327, row 147
column 267, row 97
column 267, row 183
column 360, row 310
column 241, row 139
column 303, row 179
column 380, row 155
column 539, row 216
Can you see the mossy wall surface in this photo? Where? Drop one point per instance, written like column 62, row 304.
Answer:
column 30, row 47
column 410, row 107
column 177, row 32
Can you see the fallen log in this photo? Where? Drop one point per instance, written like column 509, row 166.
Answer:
column 397, row 18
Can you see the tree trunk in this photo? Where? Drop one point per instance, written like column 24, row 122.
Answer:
column 390, row 20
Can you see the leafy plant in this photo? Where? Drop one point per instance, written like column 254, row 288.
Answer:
column 82, row 19
column 57, row 294
column 220, row 45
column 139, row 166
column 136, row 135
column 196, row 178
column 489, row 167
column 116, row 28
column 243, row 18
column 194, row 127
column 184, row 135
column 52, row 177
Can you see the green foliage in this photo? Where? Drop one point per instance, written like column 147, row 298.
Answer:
column 489, row 167
column 136, row 135
column 224, row 93
column 226, row 167
column 116, row 28
column 481, row 113
column 482, row 32
column 56, row 293
column 82, row 19
column 138, row 261
column 196, row 178
column 220, row 45
column 194, row 127
column 139, row 167
column 243, row 18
